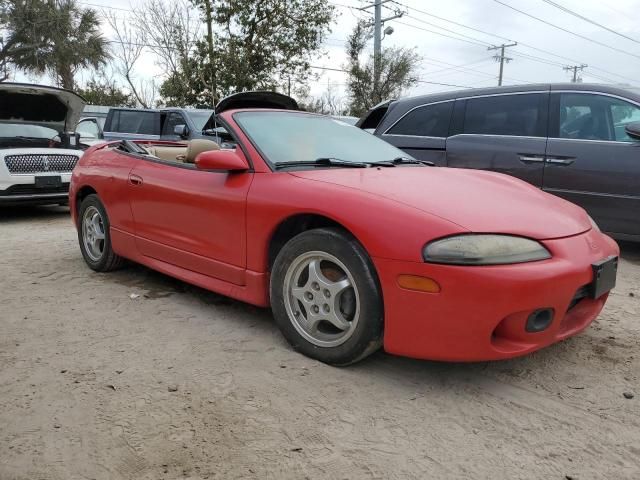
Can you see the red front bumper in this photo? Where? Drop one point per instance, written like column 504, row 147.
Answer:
column 480, row 312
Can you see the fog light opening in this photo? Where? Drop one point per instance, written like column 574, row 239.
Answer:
column 539, row 320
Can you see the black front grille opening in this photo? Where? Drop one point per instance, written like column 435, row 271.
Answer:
column 30, row 189
column 581, row 293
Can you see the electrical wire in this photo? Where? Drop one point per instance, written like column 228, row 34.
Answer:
column 619, row 50
column 593, row 22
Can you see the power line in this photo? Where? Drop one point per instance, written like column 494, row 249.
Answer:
column 472, row 70
column 474, row 39
column 445, row 84
column 593, row 22
column 568, row 31
column 106, row 6
column 458, row 67
column 441, row 34
column 452, row 22
column 521, row 44
column 329, row 68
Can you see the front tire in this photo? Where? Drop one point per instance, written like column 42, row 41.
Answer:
column 94, row 236
column 326, row 298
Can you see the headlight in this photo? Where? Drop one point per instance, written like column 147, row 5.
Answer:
column 484, row 249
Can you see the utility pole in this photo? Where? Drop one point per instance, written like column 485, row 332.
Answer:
column 209, row 18
column 501, row 58
column 378, row 22
column 574, row 69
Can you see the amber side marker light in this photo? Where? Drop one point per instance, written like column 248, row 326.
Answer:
column 419, row 284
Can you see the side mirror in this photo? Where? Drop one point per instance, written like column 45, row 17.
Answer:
column 181, row 130
column 633, row 130
column 221, row 160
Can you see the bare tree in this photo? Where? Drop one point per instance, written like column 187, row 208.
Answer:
column 171, row 30
column 329, row 103
column 127, row 48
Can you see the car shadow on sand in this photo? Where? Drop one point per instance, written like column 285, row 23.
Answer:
column 18, row 214
column 406, row 371
column 630, row 251
column 151, row 285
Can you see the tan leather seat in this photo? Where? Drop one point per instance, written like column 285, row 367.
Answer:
column 172, row 154
column 196, row 147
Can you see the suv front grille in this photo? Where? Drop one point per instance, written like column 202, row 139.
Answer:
column 38, row 163
column 33, row 190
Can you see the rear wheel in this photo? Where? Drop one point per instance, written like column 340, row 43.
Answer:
column 94, row 236
column 325, row 297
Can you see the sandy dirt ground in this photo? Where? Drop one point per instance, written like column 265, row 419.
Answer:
column 180, row 383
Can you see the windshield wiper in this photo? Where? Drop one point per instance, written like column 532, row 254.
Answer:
column 411, row 161
column 323, row 162
column 30, row 139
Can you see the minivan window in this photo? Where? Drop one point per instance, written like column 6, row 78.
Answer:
column 136, row 121
column 586, row 116
column 427, row 121
column 513, row 115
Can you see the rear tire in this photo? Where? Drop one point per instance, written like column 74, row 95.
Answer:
column 326, row 298
column 94, row 236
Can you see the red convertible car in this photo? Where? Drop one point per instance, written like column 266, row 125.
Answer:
column 353, row 244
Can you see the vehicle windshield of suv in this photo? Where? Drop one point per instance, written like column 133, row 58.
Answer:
column 25, row 135
column 301, row 137
column 10, row 130
column 199, row 118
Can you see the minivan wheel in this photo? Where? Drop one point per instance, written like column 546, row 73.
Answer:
column 94, row 236
column 325, row 297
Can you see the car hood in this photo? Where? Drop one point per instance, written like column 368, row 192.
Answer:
column 40, row 105
column 478, row 201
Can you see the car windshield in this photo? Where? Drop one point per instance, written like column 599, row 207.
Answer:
column 199, row 117
column 285, row 137
column 9, row 130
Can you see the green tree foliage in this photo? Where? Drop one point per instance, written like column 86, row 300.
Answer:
column 57, row 37
column 398, row 68
column 104, row 92
column 252, row 45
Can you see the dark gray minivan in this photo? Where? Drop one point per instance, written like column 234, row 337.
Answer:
column 568, row 139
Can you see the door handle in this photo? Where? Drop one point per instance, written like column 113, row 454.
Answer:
column 135, row 179
column 531, row 159
column 560, row 161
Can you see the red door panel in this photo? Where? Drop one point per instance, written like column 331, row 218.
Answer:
column 191, row 218
column 110, row 180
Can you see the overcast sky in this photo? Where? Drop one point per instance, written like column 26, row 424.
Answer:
column 464, row 60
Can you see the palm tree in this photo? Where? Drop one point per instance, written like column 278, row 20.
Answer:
column 60, row 38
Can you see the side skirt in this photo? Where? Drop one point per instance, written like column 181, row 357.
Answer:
column 255, row 291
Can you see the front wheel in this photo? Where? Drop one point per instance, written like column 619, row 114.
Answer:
column 326, row 298
column 94, row 236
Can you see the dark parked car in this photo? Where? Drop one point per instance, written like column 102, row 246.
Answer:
column 568, row 139
column 166, row 124
column 179, row 124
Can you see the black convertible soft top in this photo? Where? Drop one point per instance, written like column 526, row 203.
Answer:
column 256, row 100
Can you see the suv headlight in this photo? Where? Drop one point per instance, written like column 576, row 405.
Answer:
column 484, row 249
